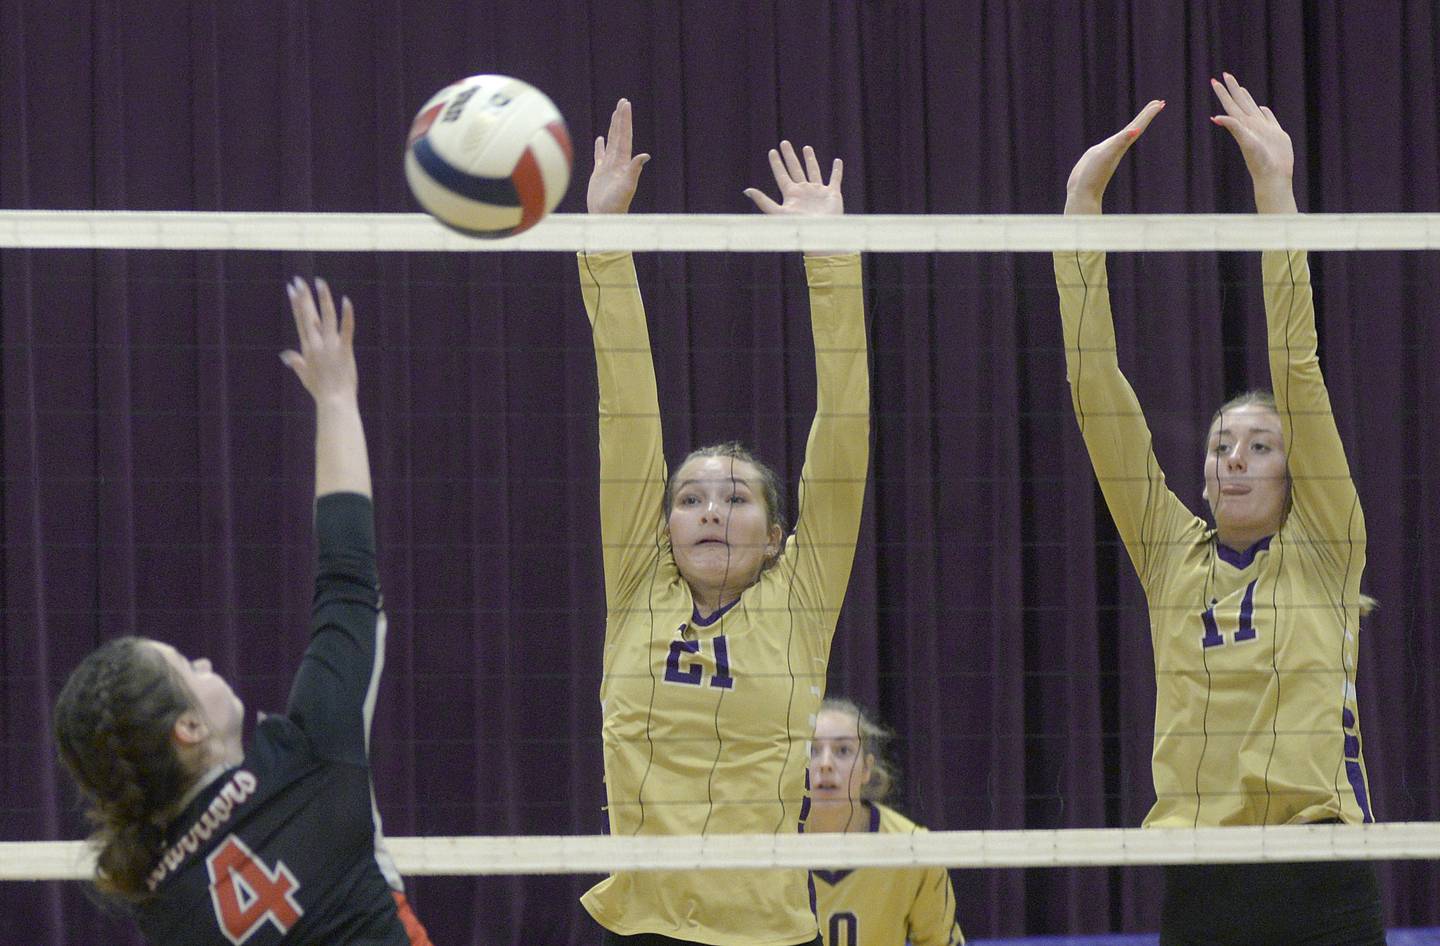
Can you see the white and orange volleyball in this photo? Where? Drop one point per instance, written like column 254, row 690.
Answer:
column 489, row 156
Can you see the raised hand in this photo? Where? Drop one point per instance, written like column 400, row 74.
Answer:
column 325, row 363
column 802, row 189
column 1266, row 147
column 1091, row 174
column 617, row 171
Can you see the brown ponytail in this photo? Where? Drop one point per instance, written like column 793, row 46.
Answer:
column 113, row 722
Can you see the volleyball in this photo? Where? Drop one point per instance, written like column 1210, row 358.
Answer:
column 488, row 156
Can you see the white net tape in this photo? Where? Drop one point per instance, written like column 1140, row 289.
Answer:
column 1077, row 847
column 873, row 233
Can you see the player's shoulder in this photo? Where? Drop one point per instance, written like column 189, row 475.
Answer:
column 893, row 822
column 280, row 747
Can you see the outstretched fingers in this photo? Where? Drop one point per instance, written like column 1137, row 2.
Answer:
column 762, row 200
column 622, row 131
column 1091, row 174
column 1141, row 121
column 1240, row 94
column 617, row 168
column 792, row 162
column 802, row 185
column 328, row 323
column 1268, row 152
column 347, row 324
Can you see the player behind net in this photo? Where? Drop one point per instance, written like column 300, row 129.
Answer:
column 850, row 779
column 719, row 626
column 1255, row 621
column 208, row 843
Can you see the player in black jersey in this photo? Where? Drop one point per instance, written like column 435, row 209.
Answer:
column 206, row 843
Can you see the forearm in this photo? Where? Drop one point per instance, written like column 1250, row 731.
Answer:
column 629, row 409
column 1116, row 434
column 632, row 466
column 1319, row 470
column 342, row 463
column 327, row 698
column 1275, row 195
column 837, row 453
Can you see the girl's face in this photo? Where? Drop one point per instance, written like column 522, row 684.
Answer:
column 1246, row 472
column 839, row 766
column 221, row 709
column 719, row 526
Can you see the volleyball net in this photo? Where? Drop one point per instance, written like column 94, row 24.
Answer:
column 446, row 854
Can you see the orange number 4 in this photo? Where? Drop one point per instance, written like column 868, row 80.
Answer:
column 246, row 893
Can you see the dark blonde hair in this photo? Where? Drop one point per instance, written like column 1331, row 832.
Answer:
column 113, row 722
column 874, row 741
column 1257, row 397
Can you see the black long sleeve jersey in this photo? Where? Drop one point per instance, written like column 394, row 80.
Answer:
column 286, row 848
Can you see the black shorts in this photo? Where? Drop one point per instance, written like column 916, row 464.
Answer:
column 1321, row 903
column 608, row 938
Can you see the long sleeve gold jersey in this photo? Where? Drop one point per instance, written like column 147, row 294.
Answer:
column 1255, row 652
column 706, row 722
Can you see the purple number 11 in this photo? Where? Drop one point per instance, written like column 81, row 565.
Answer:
column 1246, row 629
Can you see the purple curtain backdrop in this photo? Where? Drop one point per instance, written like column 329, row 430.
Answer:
column 157, row 460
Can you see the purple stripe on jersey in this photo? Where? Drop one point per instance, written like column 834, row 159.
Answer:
column 1357, row 782
column 699, row 621
column 1242, row 559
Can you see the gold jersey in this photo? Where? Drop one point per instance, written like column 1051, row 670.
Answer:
column 707, row 722
column 887, row 906
column 1255, row 652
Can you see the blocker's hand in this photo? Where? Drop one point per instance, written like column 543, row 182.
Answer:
column 1269, row 156
column 1091, row 175
column 617, row 171
column 802, row 189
